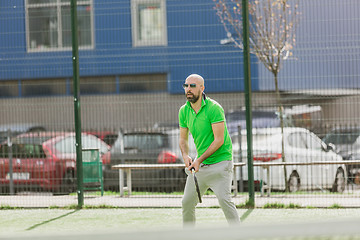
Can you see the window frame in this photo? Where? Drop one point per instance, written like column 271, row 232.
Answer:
column 58, row 4
column 136, row 42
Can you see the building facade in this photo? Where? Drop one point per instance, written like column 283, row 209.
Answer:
column 135, row 51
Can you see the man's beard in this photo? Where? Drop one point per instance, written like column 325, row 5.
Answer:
column 192, row 98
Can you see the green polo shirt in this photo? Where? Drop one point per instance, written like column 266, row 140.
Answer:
column 199, row 125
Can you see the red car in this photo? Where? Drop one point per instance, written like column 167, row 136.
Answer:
column 45, row 160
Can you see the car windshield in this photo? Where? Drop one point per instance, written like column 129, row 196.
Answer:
column 144, row 141
column 67, row 145
column 240, row 115
column 342, row 138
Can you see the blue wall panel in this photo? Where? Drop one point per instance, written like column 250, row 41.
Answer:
column 194, row 34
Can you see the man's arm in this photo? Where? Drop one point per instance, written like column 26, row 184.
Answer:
column 218, row 131
column 184, row 146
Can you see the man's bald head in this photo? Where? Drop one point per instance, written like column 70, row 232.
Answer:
column 194, row 88
column 197, row 78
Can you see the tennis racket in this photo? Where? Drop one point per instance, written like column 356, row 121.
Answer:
column 196, row 185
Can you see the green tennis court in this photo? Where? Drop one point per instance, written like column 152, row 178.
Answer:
column 134, row 222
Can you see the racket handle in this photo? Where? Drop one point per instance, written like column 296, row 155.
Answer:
column 193, row 169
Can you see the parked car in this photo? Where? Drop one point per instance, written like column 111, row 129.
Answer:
column 45, row 160
column 149, row 147
column 347, row 144
column 12, row 130
column 300, row 146
column 260, row 119
column 166, row 125
column 305, row 116
column 109, row 137
column 354, row 169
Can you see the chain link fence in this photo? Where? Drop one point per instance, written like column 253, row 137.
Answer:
column 134, row 56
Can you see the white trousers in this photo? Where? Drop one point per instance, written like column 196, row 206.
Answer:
column 218, row 178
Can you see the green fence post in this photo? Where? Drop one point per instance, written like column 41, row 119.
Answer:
column 75, row 59
column 247, row 80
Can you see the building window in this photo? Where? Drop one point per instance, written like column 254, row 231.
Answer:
column 149, row 23
column 43, row 87
column 143, row 83
column 96, row 85
column 9, row 89
column 48, row 25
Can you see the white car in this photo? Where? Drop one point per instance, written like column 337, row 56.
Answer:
column 303, row 151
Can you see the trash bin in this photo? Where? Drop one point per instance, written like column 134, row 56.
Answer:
column 92, row 170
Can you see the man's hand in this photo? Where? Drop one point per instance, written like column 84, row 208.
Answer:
column 195, row 164
column 188, row 161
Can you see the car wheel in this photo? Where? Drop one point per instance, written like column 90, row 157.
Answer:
column 68, row 184
column 294, row 182
column 339, row 183
column 357, row 178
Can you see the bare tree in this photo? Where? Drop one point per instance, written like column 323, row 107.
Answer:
column 272, row 27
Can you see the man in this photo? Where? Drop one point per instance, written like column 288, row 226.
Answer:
column 205, row 119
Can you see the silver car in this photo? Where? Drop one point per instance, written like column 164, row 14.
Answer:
column 312, row 165
column 347, row 144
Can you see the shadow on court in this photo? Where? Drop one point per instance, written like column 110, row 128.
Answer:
column 51, row 220
column 246, row 214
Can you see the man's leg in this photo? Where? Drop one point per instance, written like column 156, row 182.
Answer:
column 189, row 201
column 221, row 186
column 190, row 198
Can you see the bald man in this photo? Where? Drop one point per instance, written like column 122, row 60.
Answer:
column 204, row 118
